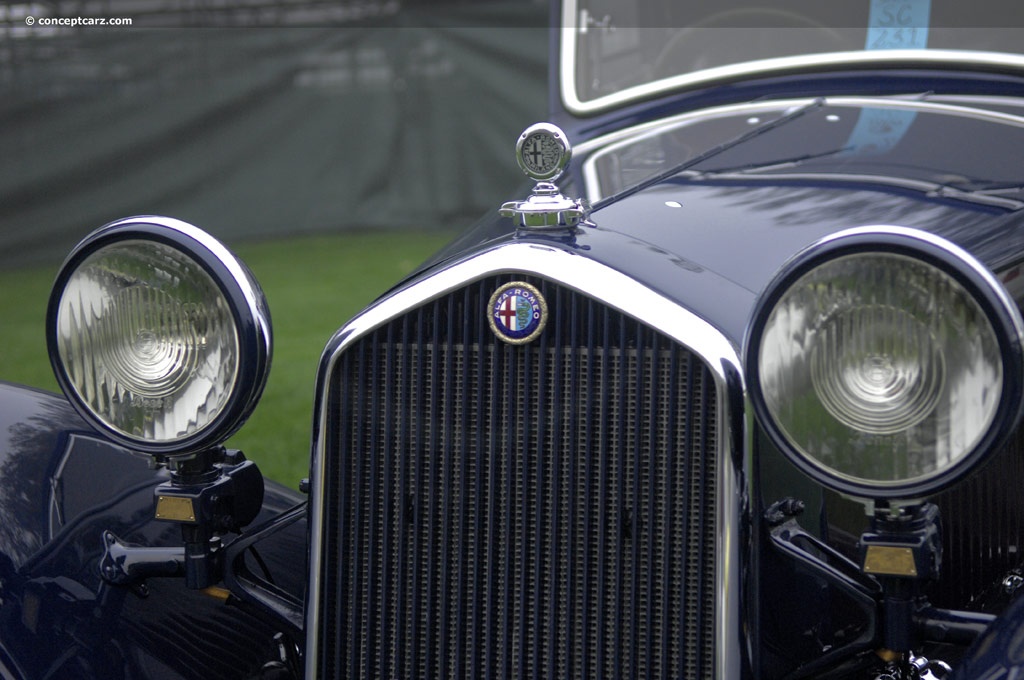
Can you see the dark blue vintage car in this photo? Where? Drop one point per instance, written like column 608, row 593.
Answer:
column 733, row 392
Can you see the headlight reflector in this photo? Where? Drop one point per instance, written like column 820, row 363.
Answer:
column 882, row 372
column 159, row 336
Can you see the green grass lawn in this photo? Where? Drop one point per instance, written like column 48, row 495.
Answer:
column 313, row 285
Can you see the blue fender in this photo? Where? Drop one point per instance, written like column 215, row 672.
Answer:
column 36, row 431
column 61, row 487
column 999, row 652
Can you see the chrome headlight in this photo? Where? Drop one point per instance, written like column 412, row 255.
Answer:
column 158, row 335
column 885, row 362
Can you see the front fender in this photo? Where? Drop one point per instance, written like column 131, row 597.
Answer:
column 53, row 469
column 999, row 652
column 61, row 487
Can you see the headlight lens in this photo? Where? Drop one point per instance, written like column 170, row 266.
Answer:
column 147, row 341
column 150, row 341
column 882, row 372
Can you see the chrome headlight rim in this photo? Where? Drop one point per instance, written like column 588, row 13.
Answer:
column 933, row 250
column 245, row 301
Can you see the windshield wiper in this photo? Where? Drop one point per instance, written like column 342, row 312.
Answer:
column 1000, row 193
column 992, row 193
column 998, row 190
column 714, row 151
column 772, row 165
column 925, row 187
column 993, row 196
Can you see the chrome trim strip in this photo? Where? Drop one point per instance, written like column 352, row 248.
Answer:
column 627, row 136
column 901, row 101
column 975, row 100
column 968, row 59
column 924, row 106
column 623, row 293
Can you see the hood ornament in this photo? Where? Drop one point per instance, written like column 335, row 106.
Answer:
column 543, row 152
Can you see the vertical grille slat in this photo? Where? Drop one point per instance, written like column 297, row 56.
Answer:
column 535, row 511
column 977, row 556
column 387, row 518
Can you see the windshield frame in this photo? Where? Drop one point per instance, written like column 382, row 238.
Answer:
column 594, row 150
column 967, row 60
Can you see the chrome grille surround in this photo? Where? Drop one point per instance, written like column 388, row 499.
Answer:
column 616, row 291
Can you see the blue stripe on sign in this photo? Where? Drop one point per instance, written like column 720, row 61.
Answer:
column 892, row 25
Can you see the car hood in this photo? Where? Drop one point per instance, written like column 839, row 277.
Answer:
column 737, row 191
column 706, row 206
column 746, row 230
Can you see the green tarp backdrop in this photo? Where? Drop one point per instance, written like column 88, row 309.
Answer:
column 265, row 132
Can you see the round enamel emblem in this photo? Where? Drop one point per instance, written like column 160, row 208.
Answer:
column 543, row 152
column 517, row 312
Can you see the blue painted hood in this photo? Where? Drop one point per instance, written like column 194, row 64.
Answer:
column 745, row 188
column 746, row 231
column 738, row 190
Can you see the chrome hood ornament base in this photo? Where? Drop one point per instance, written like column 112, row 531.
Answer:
column 543, row 152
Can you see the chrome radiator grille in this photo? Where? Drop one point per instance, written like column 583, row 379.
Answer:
column 983, row 531
column 498, row 511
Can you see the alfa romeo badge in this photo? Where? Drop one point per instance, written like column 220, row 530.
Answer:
column 517, row 312
column 543, row 152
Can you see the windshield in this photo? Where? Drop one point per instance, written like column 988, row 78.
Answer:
column 614, row 51
column 863, row 141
